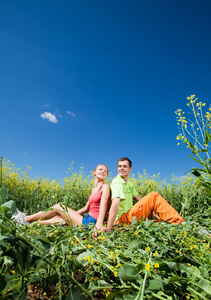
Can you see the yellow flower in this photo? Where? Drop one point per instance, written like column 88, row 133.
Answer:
column 157, row 265
column 135, row 233
column 147, row 267
column 89, row 246
column 147, row 249
column 177, row 251
column 115, row 274
column 107, row 293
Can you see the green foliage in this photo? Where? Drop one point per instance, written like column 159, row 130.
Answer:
column 140, row 261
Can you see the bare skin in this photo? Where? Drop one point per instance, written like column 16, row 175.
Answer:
column 65, row 215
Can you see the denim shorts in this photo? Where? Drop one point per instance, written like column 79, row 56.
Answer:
column 88, row 219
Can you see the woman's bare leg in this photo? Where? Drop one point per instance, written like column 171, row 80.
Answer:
column 41, row 215
column 55, row 220
column 68, row 214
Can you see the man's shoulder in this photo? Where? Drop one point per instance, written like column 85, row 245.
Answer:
column 117, row 180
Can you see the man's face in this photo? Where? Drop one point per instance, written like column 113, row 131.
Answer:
column 123, row 168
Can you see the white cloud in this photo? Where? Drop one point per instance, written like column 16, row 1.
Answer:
column 49, row 116
column 71, row 113
column 57, row 112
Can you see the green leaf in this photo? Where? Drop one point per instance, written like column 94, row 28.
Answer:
column 75, row 294
column 196, row 173
column 199, row 161
column 174, row 279
column 9, row 207
column 3, row 282
column 194, row 149
column 128, row 273
column 203, row 150
column 191, row 271
column 155, row 285
column 171, row 265
column 8, row 262
column 208, row 136
column 205, row 139
column 82, row 258
column 205, row 286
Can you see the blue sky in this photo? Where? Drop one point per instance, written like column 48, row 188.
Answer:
column 90, row 81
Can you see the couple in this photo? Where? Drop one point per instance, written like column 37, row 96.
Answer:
column 121, row 211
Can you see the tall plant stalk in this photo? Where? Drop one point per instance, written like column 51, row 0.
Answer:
column 1, row 188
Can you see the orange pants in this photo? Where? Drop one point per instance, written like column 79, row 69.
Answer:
column 151, row 204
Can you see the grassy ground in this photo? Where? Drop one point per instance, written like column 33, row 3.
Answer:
column 142, row 261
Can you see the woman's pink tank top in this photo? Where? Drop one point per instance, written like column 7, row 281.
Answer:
column 94, row 202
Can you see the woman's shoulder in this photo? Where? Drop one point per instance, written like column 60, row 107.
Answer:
column 105, row 186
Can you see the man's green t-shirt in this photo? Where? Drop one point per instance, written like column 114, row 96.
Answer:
column 125, row 191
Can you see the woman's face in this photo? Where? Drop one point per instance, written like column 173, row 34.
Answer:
column 101, row 172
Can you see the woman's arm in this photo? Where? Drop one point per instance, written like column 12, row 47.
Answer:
column 112, row 213
column 103, row 206
column 84, row 209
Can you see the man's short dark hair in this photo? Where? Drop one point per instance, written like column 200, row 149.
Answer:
column 125, row 158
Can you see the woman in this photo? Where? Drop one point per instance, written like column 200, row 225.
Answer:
column 96, row 206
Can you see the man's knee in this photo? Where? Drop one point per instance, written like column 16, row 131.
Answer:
column 154, row 194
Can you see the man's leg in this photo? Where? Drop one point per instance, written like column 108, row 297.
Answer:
column 152, row 204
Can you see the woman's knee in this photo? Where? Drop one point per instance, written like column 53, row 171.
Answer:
column 57, row 207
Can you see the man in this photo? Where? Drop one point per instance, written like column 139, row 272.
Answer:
column 122, row 194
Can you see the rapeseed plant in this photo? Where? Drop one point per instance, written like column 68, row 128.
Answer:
column 196, row 134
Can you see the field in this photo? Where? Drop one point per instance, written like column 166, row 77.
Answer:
column 142, row 261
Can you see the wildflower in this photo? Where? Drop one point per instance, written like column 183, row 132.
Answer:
column 115, row 274
column 147, row 267
column 89, row 246
column 147, row 249
column 177, row 251
column 135, row 233
column 157, row 265
column 107, row 293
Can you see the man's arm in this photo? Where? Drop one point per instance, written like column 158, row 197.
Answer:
column 112, row 213
column 137, row 198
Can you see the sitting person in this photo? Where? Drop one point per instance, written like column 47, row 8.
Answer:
column 122, row 210
column 96, row 206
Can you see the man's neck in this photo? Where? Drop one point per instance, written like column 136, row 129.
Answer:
column 125, row 178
